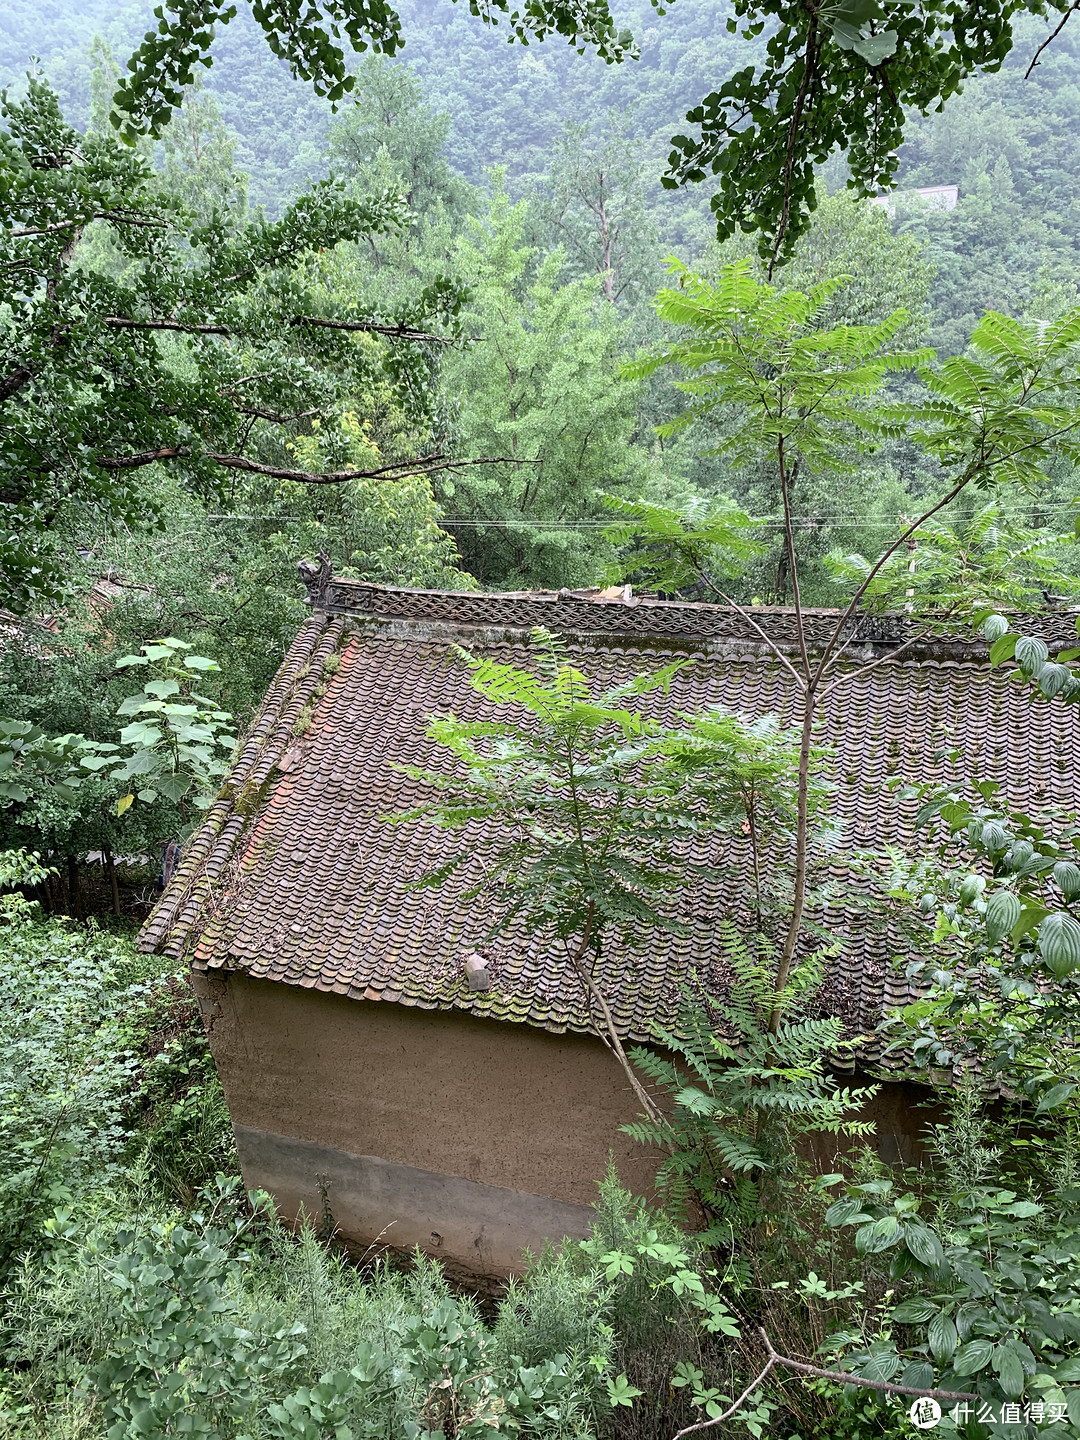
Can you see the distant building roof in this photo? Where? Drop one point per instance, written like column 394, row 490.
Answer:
column 296, row 878
column 935, row 197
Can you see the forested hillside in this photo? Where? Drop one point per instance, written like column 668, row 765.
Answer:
column 1011, row 144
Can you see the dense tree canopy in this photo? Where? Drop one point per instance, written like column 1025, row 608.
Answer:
column 190, row 344
column 835, row 78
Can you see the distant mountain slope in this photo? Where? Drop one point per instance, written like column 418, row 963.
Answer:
column 1011, row 144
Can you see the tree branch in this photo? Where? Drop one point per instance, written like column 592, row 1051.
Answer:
column 400, row 331
column 272, row 416
column 398, row 470
column 145, row 457
column 840, row 1377
column 121, row 322
column 745, row 615
column 116, row 218
column 827, row 653
column 1051, row 38
column 889, row 659
column 730, row 1411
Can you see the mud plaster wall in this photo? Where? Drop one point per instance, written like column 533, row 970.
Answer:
column 471, row 1138
column 404, row 1101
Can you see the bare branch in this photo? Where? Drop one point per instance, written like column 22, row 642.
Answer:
column 394, row 332
column 889, row 659
column 840, row 1377
column 146, row 457
column 396, row 470
column 748, row 617
column 827, row 653
column 719, row 1419
column 1051, row 38
column 272, row 415
column 399, row 470
column 121, row 322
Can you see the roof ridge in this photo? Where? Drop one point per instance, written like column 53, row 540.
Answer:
column 615, row 613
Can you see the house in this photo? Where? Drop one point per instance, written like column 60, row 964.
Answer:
column 364, row 1073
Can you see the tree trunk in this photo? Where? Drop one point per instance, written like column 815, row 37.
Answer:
column 110, row 870
column 782, row 576
column 74, row 897
column 802, row 845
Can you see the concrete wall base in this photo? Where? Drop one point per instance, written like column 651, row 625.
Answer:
column 479, row 1229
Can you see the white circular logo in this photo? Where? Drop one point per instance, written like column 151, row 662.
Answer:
column 925, row 1413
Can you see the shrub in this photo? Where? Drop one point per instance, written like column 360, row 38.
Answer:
column 67, row 1071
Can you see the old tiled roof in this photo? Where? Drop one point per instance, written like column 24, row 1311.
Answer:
column 296, row 877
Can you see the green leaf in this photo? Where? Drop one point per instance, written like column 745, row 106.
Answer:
column 1053, row 679
column 973, row 1357
column 1002, row 913
column 1055, row 1096
column 994, row 626
column 1031, row 653
column 140, row 733
column 161, row 688
column 1059, row 943
column 941, row 1333
column 875, row 49
column 200, row 662
column 621, row 1392
column 844, row 1212
column 1003, row 649
column 1067, row 878
column 174, row 786
column 923, row 1245
column 1009, row 1370
column 915, row 1311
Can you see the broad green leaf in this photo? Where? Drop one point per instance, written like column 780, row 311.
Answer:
column 161, row 688
column 200, row 662
column 140, row 733
column 1031, row 653
column 973, row 1356
column 1055, row 1096
column 1003, row 649
column 1067, row 878
column 914, row 1311
column 941, row 1333
column 174, row 786
column 1002, row 913
column 1053, row 679
column 923, row 1245
column 843, row 1212
column 1010, row 1371
column 1059, row 943
column 875, row 49
column 994, row 626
